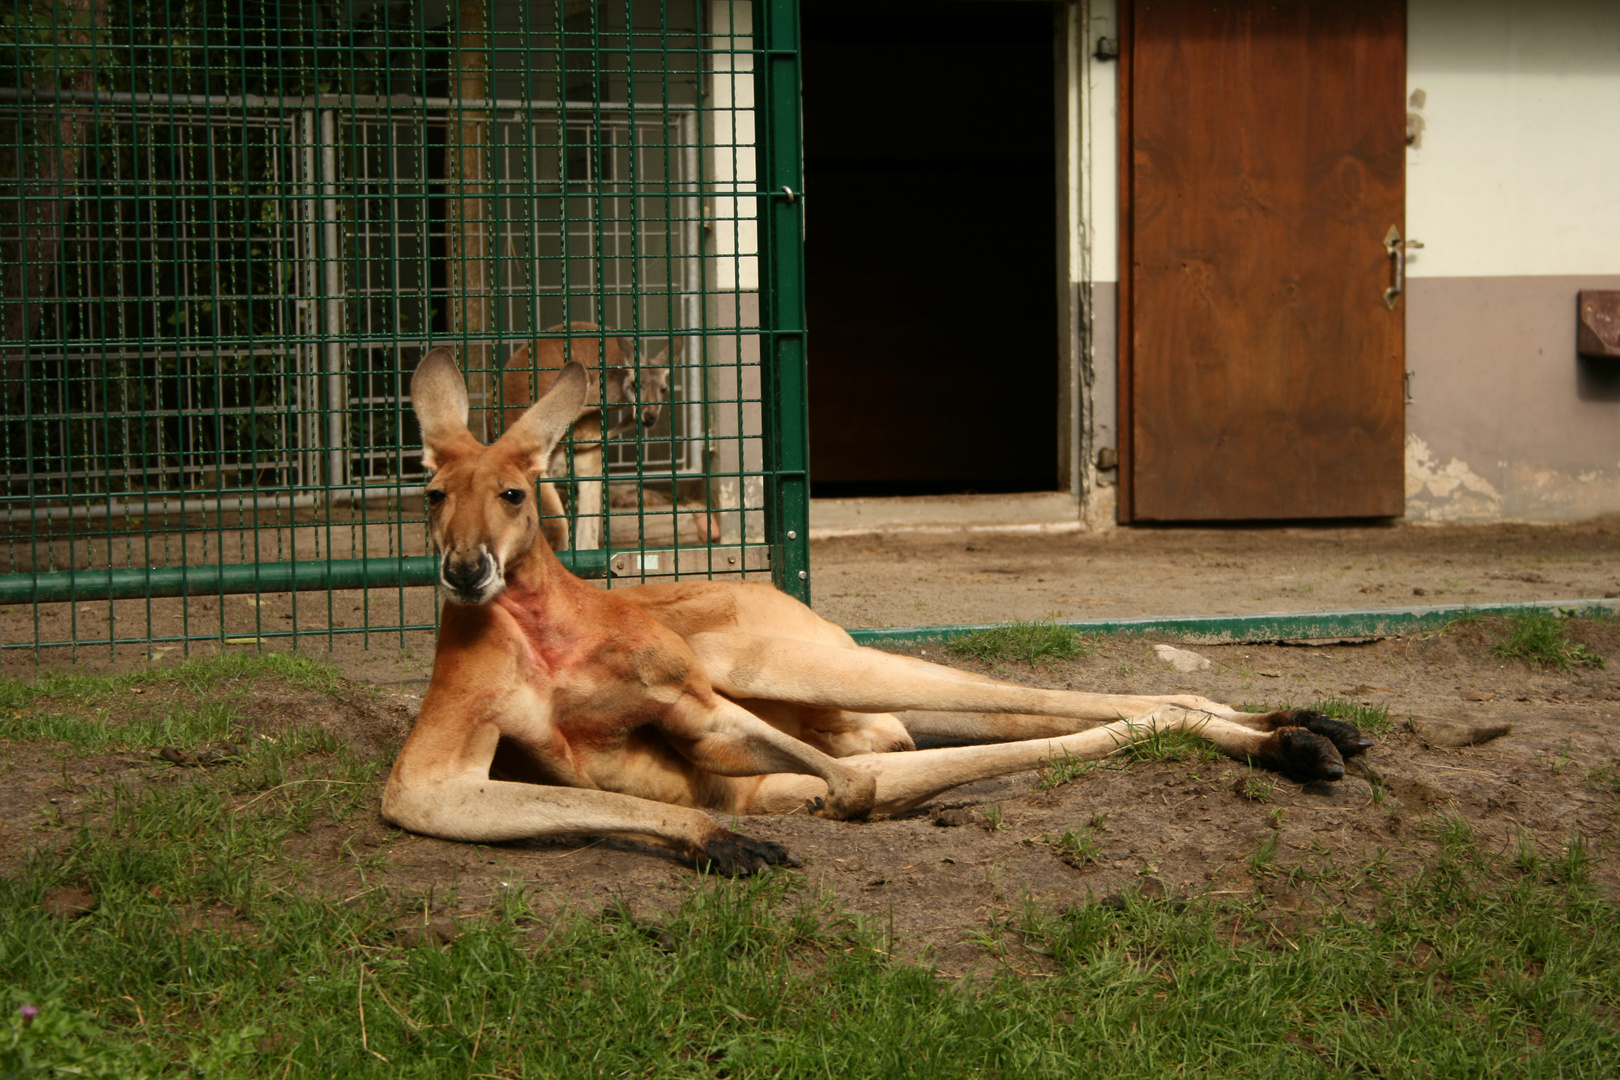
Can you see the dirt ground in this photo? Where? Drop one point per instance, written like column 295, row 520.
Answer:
column 1191, row 827
column 911, row 579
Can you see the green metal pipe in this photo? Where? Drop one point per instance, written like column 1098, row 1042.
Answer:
column 1277, row 626
column 213, row 579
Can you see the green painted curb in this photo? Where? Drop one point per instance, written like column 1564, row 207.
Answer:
column 1272, row 626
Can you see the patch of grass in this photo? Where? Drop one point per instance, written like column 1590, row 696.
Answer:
column 1540, row 639
column 1256, row 787
column 185, row 727
column 1261, row 863
column 1075, row 848
column 1062, row 770
column 1526, row 856
column 200, row 675
column 1573, row 865
column 101, row 713
column 1373, row 719
column 1031, row 642
column 1161, row 745
column 1605, row 777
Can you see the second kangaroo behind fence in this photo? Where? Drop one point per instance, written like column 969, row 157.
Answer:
column 642, row 391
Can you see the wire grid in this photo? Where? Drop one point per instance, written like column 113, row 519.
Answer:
column 228, row 232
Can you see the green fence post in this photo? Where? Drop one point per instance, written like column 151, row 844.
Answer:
column 782, row 330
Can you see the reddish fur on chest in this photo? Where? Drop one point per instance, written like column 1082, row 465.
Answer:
column 605, row 673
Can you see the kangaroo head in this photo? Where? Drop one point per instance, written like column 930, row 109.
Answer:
column 639, row 392
column 481, row 509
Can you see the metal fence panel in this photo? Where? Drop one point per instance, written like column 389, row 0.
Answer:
column 229, row 229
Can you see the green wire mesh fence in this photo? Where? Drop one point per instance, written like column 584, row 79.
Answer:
column 230, row 228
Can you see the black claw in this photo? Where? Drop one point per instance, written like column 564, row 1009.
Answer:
column 735, row 855
column 1301, row 755
column 1346, row 738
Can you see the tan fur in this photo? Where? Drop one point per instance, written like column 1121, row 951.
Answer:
column 560, row 708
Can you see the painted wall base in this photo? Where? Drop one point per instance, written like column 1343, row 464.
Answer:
column 1507, row 422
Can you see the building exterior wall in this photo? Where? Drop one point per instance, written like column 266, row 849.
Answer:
column 1511, row 187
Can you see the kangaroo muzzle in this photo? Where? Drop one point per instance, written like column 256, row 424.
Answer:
column 471, row 577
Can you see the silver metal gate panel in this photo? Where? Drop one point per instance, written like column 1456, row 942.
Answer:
column 141, row 417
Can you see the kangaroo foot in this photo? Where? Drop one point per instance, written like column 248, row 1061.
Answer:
column 1300, row 755
column 1346, row 738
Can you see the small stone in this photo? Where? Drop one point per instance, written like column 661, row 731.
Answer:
column 1420, row 591
column 1181, row 659
column 950, row 819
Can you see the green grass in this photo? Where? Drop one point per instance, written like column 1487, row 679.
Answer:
column 1454, row 961
column 1063, row 770
column 101, row 713
column 1540, row 639
column 1031, row 642
column 1468, row 967
column 1256, row 787
column 1161, row 745
column 1077, row 848
column 197, row 676
column 1373, row 719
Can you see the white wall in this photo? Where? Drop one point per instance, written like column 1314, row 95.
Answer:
column 1100, row 149
column 1517, row 170
column 730, row 139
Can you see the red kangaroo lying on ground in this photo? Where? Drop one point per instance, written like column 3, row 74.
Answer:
column 557, row 708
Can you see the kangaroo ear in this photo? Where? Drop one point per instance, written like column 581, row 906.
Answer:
column 534, row 434
column 439, row 396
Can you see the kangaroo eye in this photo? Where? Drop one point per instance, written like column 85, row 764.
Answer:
column 434, row 497
column 513, row 496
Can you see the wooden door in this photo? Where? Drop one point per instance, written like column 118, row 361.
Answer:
column 1262, row 368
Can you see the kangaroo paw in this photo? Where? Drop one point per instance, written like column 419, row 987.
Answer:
column 1346, row 738
column 735, row 855
column 1300, row 755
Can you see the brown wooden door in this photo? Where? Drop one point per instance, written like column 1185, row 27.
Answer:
column 1262, row 369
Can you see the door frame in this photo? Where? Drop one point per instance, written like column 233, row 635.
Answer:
column 1125, row 424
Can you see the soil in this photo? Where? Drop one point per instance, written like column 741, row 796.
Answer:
column 935, row 579
column 940, row 874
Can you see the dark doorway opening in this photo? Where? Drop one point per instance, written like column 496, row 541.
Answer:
column 930, row 247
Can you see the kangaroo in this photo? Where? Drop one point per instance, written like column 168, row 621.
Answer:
column 558, row 708
column 529, row 373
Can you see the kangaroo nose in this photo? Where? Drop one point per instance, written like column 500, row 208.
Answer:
column 466, row 574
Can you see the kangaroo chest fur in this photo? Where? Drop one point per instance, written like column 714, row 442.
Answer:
column 597, row 696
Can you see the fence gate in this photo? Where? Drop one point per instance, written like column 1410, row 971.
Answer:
column 230, row 229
